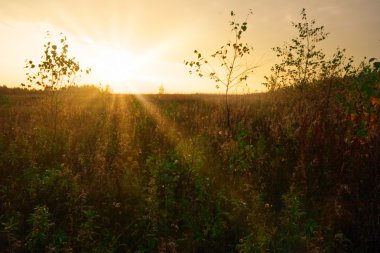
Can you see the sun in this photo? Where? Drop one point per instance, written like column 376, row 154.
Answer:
column 124, row 70
column 115, row 66
column 120, row 68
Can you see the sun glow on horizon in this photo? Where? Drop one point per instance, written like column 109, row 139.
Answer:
column 116, row 67
column 123, row 70
column 137, row 46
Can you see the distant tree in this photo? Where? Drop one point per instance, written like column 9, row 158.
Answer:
column 161, row 90
column 301, row 59
column 229, row 67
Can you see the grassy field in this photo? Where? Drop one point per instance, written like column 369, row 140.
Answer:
column 84, row 170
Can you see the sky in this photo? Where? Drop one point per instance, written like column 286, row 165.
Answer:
column 139, row 45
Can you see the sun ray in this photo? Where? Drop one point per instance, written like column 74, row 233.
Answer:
column 184, row 145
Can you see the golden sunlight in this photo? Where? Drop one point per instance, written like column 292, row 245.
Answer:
column 114, row 65
column 121, row 69
column 169, row 126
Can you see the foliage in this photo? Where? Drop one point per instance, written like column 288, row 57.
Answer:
column 124, row 181
column 229, row 68
column 41, row 225
column 56, row 70
column 301, row 59
column 10, row 226
column 132, row 173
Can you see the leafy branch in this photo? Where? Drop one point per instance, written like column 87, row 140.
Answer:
column 56, row 69
column 228, row 66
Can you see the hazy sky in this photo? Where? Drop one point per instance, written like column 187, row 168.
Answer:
column 138, row 45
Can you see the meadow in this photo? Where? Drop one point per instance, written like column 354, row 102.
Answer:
column 296, row 171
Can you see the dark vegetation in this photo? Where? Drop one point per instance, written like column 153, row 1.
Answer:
column 296, row 169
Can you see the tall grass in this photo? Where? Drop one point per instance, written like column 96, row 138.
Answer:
column 161, row 173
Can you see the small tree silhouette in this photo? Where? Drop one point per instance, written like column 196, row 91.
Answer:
column 161, row 90
column 303, row 63
column 300, row 59
column 230, row 67
column 56, row 69
column 55, row 72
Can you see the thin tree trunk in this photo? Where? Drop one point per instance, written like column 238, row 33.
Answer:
column 227, row 106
